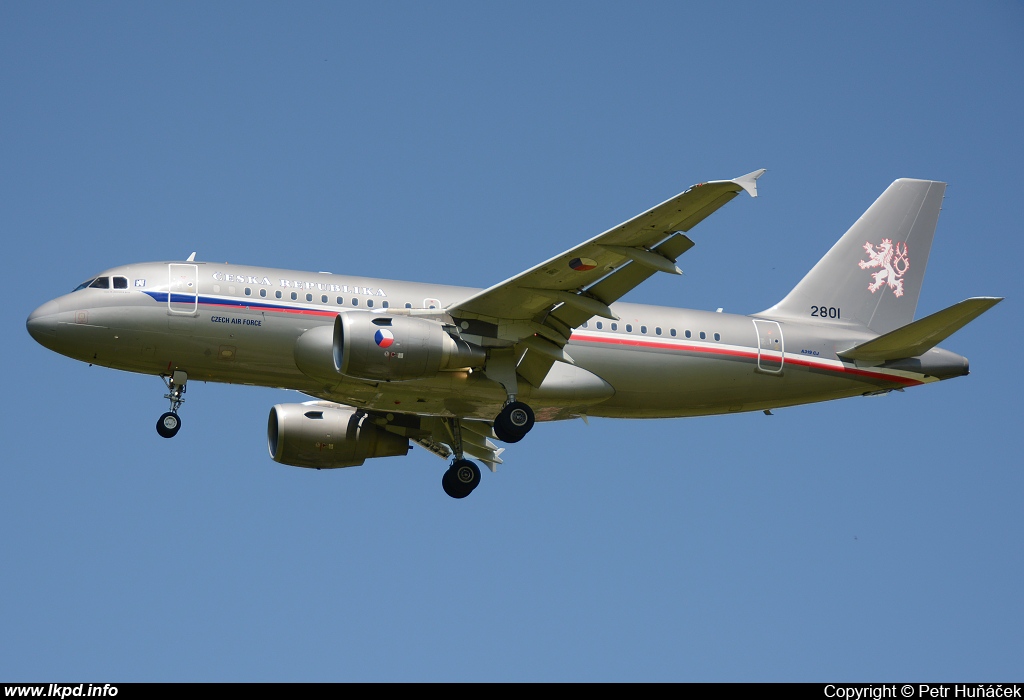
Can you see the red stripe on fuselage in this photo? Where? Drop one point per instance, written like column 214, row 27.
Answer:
column 745, row 354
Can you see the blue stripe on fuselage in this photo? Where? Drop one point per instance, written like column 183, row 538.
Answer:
column 240, row 304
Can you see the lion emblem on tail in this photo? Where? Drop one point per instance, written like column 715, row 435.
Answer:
column 894, row 261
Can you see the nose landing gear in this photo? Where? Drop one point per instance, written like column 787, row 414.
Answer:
column 169, row 423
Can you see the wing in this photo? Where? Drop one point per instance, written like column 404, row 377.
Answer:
column 537, row 309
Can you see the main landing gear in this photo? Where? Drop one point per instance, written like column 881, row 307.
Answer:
column 516, row 418
column 514, row 421
column 463, row 475
column 511, row 425
column 169, row 423
column 461, row 478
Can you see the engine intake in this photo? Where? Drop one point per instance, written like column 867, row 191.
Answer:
column 320, row 437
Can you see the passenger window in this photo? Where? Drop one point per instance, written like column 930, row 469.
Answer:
column 408, row 305
column 294, row 296
column 643, row 329
column 248, row 292
column 672, row 332
column 278, row 294
column 584, row 325
column 657, row 331
column 686, row 333
column 718, row 336
column 629, row 327
column 309, row 297
column 600, row 325
column 355, row 302
column 263, row 292
column 216, row 288
column 385, row 305
column 339, row 301
column 120, row 283
column 703, row 335
column 323, row 298
column 369, row 302
column 101, row 283
column 615, row 326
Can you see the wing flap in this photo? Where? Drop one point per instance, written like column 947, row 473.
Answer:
column 922, row 335
column 476, row 444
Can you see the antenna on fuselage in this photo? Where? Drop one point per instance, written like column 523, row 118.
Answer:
column 191, row 258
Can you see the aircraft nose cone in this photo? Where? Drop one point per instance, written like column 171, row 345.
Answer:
column 42, row 323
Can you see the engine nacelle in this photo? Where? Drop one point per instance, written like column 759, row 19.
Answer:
column 320, row 437
column 383, row 347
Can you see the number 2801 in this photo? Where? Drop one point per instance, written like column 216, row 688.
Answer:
column 825, row 311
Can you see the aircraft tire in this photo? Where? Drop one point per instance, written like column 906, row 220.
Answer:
column 168, row 425
column 466, row 473
column 514, row 422
column 451, row 485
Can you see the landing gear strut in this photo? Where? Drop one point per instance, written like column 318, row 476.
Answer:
column 169, row 423
column 516, row 418
column 514, row 422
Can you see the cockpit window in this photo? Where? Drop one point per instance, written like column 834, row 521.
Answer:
column 83, row 285
column 101, row 283
column 120, row 283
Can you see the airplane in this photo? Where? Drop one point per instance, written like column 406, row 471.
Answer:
column 455, row 370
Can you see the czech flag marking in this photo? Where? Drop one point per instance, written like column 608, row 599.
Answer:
column 384, row 338
column 582, row 264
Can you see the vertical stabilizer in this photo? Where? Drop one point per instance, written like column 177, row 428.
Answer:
column 873, row 274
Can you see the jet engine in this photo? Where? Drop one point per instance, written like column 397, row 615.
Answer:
column 322, row 437
column 383, row 347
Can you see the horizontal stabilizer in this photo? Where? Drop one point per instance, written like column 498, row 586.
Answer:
column 922, row 335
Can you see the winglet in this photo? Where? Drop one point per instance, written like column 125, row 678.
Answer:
column 192, row 258
column 749, row 181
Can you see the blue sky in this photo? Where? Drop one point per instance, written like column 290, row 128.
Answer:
column 866, row 539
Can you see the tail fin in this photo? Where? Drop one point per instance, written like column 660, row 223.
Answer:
column 873, row 274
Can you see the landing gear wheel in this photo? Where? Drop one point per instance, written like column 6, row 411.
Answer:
column 466, row 473
column 168, row 425
column 514, row 422
column 461, row 478
column 452, row 488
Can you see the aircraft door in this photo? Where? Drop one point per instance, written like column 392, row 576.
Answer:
column 770, row 347
column 183, row 289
